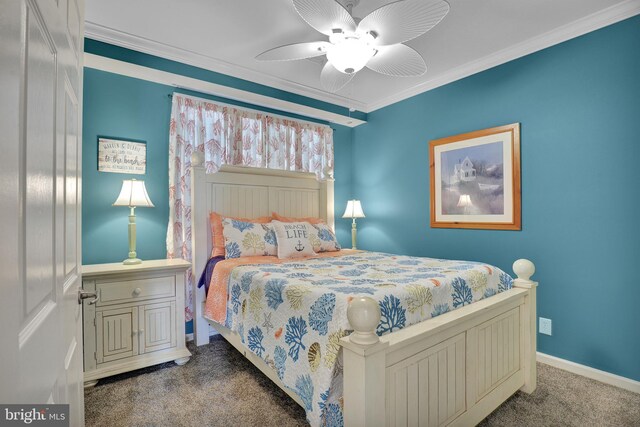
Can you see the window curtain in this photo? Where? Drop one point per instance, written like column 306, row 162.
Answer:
column 233, row 136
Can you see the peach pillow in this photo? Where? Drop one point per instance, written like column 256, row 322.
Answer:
column 310, row 220
column 217, row 236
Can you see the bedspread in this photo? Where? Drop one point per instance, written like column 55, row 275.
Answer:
column 293, row 314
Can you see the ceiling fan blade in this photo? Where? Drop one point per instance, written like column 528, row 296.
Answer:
column 398, row 60
column 333, row 80
column 403, row 20
column 291, row 52
column 325, row 15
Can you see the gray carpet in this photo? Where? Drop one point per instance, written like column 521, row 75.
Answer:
column 219, row 387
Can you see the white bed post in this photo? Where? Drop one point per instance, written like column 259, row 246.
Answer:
column 524, row 269
column 199, row 245
column 326, row 200
column 364, row 366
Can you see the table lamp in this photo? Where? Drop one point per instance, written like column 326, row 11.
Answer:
column 354, row 210
column 133, row 194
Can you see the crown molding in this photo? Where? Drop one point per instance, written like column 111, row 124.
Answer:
column 136, row 71
column 151, row 47
column 577, row 28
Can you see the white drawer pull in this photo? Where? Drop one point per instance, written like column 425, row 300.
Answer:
column 137, row 291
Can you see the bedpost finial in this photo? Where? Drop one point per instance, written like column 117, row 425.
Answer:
column 364, row 316
column 524, row 269
column 197, row 158
column 328, row 172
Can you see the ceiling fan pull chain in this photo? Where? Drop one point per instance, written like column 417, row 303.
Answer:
column 350, row 4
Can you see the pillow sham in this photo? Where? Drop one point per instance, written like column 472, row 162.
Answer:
column 293, row 239
column 310, row 220
column 217, row 235
column 243, row 238
column 323, row 239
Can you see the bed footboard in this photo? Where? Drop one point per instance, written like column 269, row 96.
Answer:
column 454, row 369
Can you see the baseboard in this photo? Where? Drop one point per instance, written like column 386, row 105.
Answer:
column 589, row 372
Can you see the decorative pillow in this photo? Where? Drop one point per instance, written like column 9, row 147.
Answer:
column 217, row 235
column 322, row 238
column 310, row 220
column 243, row 238
column 293, row 239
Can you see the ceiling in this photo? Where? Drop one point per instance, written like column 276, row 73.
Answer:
column 226, row 35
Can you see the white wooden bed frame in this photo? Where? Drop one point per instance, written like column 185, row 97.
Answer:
column 454, row 369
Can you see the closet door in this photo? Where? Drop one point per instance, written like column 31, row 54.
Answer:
column 41, row 103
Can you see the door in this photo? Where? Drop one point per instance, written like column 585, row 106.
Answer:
column 40, row 118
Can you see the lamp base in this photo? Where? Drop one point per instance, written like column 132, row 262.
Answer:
column 132, row 261
column 354, row 233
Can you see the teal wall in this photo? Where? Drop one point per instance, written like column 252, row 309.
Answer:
column 579, row 108
column 128, row 108
column 119, row 106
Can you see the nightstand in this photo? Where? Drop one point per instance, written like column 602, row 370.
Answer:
column 136, row 319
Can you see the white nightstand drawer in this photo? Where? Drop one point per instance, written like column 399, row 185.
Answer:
column 133, row 290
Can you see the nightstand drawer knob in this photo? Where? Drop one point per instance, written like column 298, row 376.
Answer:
column 137, row 291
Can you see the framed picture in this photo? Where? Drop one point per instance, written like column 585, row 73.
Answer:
column 475, row 179
column 120, row 155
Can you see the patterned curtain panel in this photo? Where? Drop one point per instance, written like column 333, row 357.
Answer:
column 232, row 136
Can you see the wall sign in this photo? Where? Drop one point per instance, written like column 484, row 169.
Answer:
column 122, row 156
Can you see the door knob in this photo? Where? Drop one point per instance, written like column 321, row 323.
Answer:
column 82, row 294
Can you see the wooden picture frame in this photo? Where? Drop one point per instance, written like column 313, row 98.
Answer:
column 475, row 179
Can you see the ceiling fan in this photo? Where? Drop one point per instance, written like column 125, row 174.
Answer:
column 375, row 41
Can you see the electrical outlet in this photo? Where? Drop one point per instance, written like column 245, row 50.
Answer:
column 544, row 326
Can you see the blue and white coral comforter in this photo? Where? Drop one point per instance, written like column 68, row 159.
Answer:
column 293, row 315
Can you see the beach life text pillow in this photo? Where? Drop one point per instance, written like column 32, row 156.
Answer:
column 244, row 239
column 293, row 239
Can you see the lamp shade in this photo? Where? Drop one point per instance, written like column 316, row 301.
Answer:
column 464, row 201
column 354, row 210
column 133, row 194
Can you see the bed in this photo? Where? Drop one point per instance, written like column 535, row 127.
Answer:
column 452, row 367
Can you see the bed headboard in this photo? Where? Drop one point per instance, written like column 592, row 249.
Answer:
column 250, row 193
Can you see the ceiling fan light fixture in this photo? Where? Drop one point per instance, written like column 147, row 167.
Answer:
column 375, row 41
column 350, row 53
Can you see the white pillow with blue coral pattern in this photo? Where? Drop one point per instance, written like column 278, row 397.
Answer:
column 242, row 239
column 322, row 238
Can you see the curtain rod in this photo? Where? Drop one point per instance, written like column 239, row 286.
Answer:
column 223, row 104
